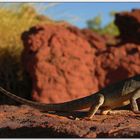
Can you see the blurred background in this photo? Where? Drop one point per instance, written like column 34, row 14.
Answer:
column 15, row 18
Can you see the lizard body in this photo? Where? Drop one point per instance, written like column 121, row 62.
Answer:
column 116, row 95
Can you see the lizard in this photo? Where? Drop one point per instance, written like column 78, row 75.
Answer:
column 112, row 96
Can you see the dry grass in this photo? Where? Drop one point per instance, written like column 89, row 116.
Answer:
column 12, row 25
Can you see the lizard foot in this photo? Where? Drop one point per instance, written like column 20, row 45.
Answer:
column 88, row 118
column 136, row 112
column 77, row 119
column 118, row 112
column 105, row 112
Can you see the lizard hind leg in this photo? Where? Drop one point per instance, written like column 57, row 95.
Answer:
column 133, row 101
column 99, row 100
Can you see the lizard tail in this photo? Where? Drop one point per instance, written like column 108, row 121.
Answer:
column 16, row 98
column 71, row 105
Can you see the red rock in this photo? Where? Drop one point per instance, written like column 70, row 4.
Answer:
column 60, row 63
column 96, row 41
column 68, row 62
column 129, row 25
column 117, row 63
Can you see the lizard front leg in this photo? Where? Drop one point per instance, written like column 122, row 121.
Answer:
column 133, row 101
column 99, row 100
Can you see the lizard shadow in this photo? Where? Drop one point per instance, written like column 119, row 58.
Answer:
column 71, row 115
column 81, row 114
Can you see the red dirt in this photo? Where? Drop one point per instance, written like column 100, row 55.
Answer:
column 25, row 122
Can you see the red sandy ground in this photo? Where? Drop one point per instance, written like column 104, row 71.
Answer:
column 25, row 122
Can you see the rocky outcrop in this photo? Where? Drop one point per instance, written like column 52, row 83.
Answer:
column 60, row 63
column 66, row 62
column 129, row 26
column 96, row 41
column 117, row 63
column 25, row 122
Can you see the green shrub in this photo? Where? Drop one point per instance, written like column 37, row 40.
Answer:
column 12, row 24
column 110, row 29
